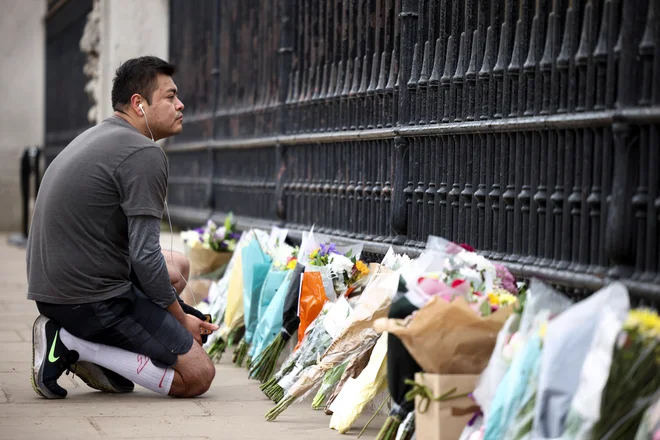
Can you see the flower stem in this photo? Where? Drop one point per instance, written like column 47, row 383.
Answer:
column 389, row 429
column 279, row 408
column 372, row 417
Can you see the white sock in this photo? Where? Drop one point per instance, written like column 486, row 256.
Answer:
column 135, row 367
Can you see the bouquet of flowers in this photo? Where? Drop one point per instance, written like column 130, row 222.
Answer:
column 270, row 308
column 565, row 347
column 634, row 378
column 256, row 264
column 264, row 363
column 330, row 380
column 234, row 315
column 356, row 393
column 271, row 260
column 302, row 307
column 316, row 341
column 209, row 249
column 218, row 295
column 354, row 368
column 212, row 237
column 350, row 338
column 537, row 304
column 348, row 274
column 450, row 271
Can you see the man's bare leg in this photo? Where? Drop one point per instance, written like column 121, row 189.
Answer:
column 178, row 269
column 193, row 373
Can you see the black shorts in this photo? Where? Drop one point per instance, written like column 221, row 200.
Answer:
column 130, row 321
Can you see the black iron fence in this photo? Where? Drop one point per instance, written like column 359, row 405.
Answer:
column 67, row 103
column 528, row 129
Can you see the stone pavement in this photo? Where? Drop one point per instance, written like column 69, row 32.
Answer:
column 232, row 409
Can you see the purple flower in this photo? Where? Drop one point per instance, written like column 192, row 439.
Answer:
column 327, row 249
column 235, row 235
column 508, row 280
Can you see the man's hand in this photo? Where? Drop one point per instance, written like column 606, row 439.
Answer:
column 195, row 325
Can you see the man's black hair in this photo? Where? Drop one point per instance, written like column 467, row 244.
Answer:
column 138, row 75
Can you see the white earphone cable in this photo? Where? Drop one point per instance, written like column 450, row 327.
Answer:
column 169, row 219
column 147, row 121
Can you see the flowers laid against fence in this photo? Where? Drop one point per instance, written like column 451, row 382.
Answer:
column 461, row 348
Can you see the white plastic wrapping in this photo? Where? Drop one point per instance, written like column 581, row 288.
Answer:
column 568, row 339
column 356, row 393
column 585, row 408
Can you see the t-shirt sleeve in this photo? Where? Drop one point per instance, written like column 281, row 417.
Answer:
column 142, row 182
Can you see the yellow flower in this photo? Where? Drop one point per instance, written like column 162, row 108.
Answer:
column 362, row 267
column 645, row 320
column 314, row 253
column 505, row 298
column 543, row 330
column 292, row 264
column 493, row 300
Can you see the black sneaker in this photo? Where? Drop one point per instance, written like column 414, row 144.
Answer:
column 101, row 378
column 50, row 358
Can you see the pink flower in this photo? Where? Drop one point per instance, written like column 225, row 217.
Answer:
column 433, row 287
column 508, row 280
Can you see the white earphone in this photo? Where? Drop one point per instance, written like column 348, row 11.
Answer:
column 146, row 120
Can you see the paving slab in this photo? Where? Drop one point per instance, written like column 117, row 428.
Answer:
column 233, row 408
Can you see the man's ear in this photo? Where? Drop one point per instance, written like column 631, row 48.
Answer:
column 137, row 104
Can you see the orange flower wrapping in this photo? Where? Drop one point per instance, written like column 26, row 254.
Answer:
column 448, row 338
column 312, row 298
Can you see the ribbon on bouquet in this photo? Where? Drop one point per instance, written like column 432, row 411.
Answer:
column 426, row 395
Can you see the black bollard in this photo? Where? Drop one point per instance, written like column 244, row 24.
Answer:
column 29, row 165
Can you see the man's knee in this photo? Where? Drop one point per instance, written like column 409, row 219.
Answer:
column 196, row 371
column 205, row 380
column 200, row 383
column 178, row 268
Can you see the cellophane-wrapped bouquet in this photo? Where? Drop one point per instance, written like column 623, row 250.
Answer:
column 316, row 341
column 613, row 406
column 559, row 365
column 227, row 308
column 350, row 340
column 304, row 300
column 270, row 262
column 445, row 271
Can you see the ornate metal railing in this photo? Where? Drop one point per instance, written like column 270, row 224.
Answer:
column 528, row 129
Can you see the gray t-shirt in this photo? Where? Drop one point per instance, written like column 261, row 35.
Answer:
column 78, row 245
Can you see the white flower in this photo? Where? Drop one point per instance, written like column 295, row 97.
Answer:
column 470, row 275
column 473, row 259
column 477, row 262
column 281, row 253
column 340, row 264
column 190, row 236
